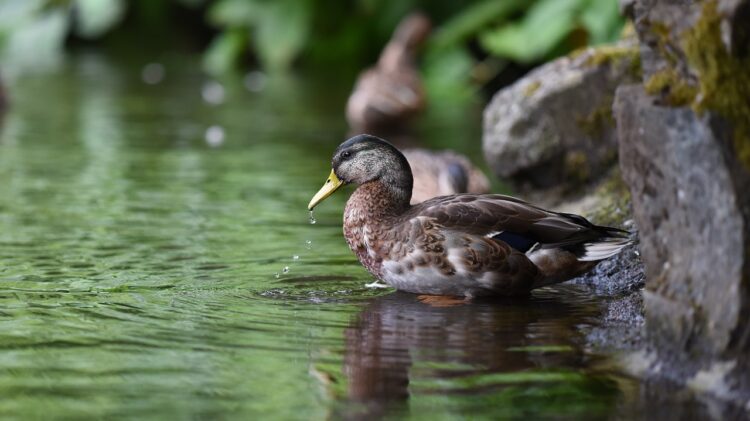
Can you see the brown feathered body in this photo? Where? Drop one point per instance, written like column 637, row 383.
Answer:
column 453, row 245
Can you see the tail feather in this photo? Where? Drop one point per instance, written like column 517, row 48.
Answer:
column 604, row 248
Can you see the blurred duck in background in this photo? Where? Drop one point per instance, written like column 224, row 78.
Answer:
column 443, row 173
column 389, row 94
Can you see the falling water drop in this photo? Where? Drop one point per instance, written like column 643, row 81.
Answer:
column 285, row 270
column 312, row 218
column 295, row 257
column 276, row 275
column 308, row 244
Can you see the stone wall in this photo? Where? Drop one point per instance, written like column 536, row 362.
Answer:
column 681, row 120
column 684, row 141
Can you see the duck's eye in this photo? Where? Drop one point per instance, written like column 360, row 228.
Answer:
column 346, row 154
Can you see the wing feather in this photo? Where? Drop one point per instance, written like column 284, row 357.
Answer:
column 488, row 214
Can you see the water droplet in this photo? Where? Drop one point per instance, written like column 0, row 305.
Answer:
column 152, row 73
column 312, row 218
column 276, row 275
column 285, row 270
column 214, row 136
column 213, row 92
column 308, row 244
column 295, row 257
column 255, row 81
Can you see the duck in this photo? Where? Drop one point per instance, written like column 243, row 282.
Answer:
column 442, row 173
column 465, row 245
column 389, row 94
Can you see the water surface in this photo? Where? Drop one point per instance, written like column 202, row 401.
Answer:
column 142, row 268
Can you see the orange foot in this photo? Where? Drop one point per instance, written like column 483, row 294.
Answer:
column 442, row 300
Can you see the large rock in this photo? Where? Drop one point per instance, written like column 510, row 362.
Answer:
column 685, row 154
column 690, row 215
column 555, row 125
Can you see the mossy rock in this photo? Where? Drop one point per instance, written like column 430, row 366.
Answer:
column 699, row 71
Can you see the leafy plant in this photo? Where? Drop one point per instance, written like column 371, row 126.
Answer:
column 96, row 17
column 548, row 23
column 280, row 33
column 33, row 32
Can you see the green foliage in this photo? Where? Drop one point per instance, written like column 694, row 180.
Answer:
column 281, row 33
column 602, row 21
column 548, row 23
column 96, row 17
column 31, row 34
column 221, row 56
column 465, row 25
column 447, row 72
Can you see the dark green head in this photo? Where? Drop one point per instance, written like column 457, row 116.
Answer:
column 365, row 159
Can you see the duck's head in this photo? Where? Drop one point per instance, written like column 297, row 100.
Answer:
column 367, row 159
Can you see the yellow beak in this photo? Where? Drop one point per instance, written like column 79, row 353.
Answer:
column 331, row 185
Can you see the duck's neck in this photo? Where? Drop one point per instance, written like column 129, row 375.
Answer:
column 401, row 49
column 395, row 57
column 378, row 200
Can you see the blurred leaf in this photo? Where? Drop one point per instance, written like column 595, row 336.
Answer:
column 282, row 32
column 236, row 13
column 474, row 19
column 545, row 26
column 95, row 17
column 447, row 72
column 14, row 13
column 37, row 42
column 225, row 50
column 602, row 20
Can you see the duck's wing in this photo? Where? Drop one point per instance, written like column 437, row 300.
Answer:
column 519, row 224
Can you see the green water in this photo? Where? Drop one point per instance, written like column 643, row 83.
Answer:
column 142, row 270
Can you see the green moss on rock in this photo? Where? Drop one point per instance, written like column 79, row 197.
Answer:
column 617, row 55
column 718, row 82
column 613, row 201
column 675, row 90
column 723, row 80
column 531, row 88
column 600, row 119
column 664, row 42
column 576, row 166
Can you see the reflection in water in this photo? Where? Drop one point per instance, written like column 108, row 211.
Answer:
column 399, row 347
